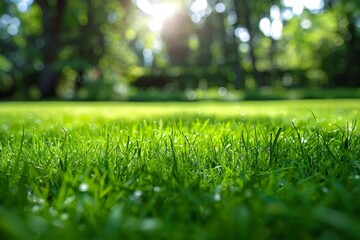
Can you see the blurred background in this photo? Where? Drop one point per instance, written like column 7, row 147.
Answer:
column 182, row 50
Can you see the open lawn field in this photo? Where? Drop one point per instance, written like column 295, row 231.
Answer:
column 245, row 170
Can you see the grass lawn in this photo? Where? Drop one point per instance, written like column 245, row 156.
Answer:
column 247, row 170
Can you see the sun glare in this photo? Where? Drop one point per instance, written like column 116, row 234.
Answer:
column 158, row 11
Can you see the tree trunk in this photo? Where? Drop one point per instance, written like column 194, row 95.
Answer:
column 52, row 16
column 243, row 10
column 353, row 51
column 232, row 54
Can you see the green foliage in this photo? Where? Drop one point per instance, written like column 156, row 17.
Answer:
column 304, row 49
column 265, row 170
column 5, row 65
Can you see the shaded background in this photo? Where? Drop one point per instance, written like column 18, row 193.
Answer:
column 182, row 50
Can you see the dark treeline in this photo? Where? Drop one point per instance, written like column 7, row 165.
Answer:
column 91, row 49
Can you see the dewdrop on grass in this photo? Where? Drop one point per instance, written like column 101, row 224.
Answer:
column 217, row 197
column 83, row 187
column 157, row 189
column 137, row 194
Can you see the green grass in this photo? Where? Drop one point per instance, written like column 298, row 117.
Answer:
column 248, row 170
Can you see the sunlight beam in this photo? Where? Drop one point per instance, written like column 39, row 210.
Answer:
column 158, row 12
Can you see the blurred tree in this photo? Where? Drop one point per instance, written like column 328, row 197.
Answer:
column 52, row 17
column 59, row 42
column 175, row 34
column 248, row 14
column 319, row 47
column 302, row 48
column 346, row 44
column 230, row 43
column 204, row 37
column 13, row 49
